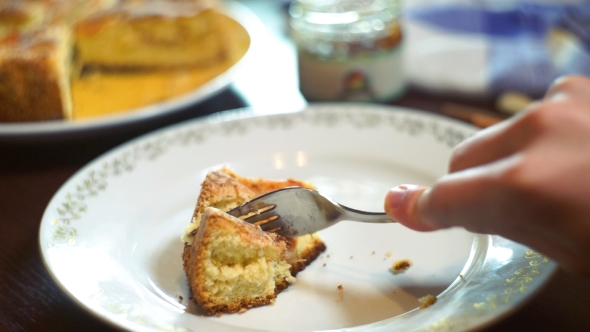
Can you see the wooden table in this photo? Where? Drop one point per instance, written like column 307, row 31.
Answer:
column 30, row 173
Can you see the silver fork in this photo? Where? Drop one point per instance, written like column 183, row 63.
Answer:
column 296, row 211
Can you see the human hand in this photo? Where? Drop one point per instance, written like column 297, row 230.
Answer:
column 526, row 179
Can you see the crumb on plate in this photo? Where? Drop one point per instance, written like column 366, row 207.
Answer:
column 400, row 266
column 340, row 293
column 427, row 301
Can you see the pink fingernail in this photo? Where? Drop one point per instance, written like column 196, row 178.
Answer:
column 396, row 196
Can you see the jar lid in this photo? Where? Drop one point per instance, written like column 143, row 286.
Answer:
column 344, row 19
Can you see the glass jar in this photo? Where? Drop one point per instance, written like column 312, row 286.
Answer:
column 348, row 50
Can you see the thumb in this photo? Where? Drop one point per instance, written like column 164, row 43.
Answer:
column 402, row 203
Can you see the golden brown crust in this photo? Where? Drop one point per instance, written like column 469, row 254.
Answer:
column 191, row 255
column 218, row 187
column 261, row 186
column 33, row 75
column 427, row 301
column 19, row 80
column 222, row 185
column 307, row 256
column 401, row 266
column 195, row 256
column 219, row 190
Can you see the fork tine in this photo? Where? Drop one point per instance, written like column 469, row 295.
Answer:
column 296, row 211
column 262, row 218
column 265, row 210
column 260, row 202
column 249, row 207
column 270, row 225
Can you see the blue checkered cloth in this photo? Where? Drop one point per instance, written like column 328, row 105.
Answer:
column 527, row 43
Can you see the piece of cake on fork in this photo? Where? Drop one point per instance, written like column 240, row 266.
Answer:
column 232, row 265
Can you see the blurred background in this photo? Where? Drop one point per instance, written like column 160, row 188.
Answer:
column 476, row 60
column 494, row 55
column 485, row 48
column 471, row 49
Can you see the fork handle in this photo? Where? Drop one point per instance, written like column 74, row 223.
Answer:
column 364, row 216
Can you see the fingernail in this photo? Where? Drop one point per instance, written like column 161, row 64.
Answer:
column 397, row 195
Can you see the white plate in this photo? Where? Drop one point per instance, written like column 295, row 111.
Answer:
column 43, row 129
column 111, row 235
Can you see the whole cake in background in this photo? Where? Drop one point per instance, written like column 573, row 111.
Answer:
column 45, row 44
column 154, row 34
column 232, row 265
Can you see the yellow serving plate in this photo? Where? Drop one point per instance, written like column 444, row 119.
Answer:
column 104, row 102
